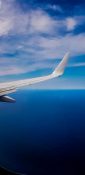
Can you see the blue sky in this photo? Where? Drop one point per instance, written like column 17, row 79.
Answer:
column 35, row 35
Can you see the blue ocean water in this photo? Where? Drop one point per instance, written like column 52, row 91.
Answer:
column 44, row 132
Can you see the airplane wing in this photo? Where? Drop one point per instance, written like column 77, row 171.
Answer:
column 10, row 87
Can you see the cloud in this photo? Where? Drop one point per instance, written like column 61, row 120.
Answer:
column 14, row 20
column 5, row 26
column 54, row 47
column 34, row 36
column 41, row 22
column 71, row 24
column 13, row 68
column 77, row 65
column 0, row 4
column 54, row 7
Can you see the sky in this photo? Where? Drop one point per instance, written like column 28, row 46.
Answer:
column 35, row 35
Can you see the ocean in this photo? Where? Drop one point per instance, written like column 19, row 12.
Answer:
column 43, row 132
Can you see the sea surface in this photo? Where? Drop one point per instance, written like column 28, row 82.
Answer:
column 44, row 132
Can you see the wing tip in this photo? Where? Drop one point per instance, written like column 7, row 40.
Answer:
column 59, row 70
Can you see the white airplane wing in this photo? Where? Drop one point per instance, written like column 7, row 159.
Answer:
column 10, row 87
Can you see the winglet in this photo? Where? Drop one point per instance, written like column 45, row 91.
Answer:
column 59, row 70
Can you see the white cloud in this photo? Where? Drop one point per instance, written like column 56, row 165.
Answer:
column 41, row 22
column 5, row 26
column 14, row 21
column 80, row 64
column 56, row 47
column 0, row 4
column 14, row 68
column 54, row 7
column 71, row 23
column 28, row 28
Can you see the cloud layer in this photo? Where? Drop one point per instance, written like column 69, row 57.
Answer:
column 32, row 36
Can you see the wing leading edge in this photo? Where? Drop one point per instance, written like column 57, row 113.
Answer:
column 6, row 88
